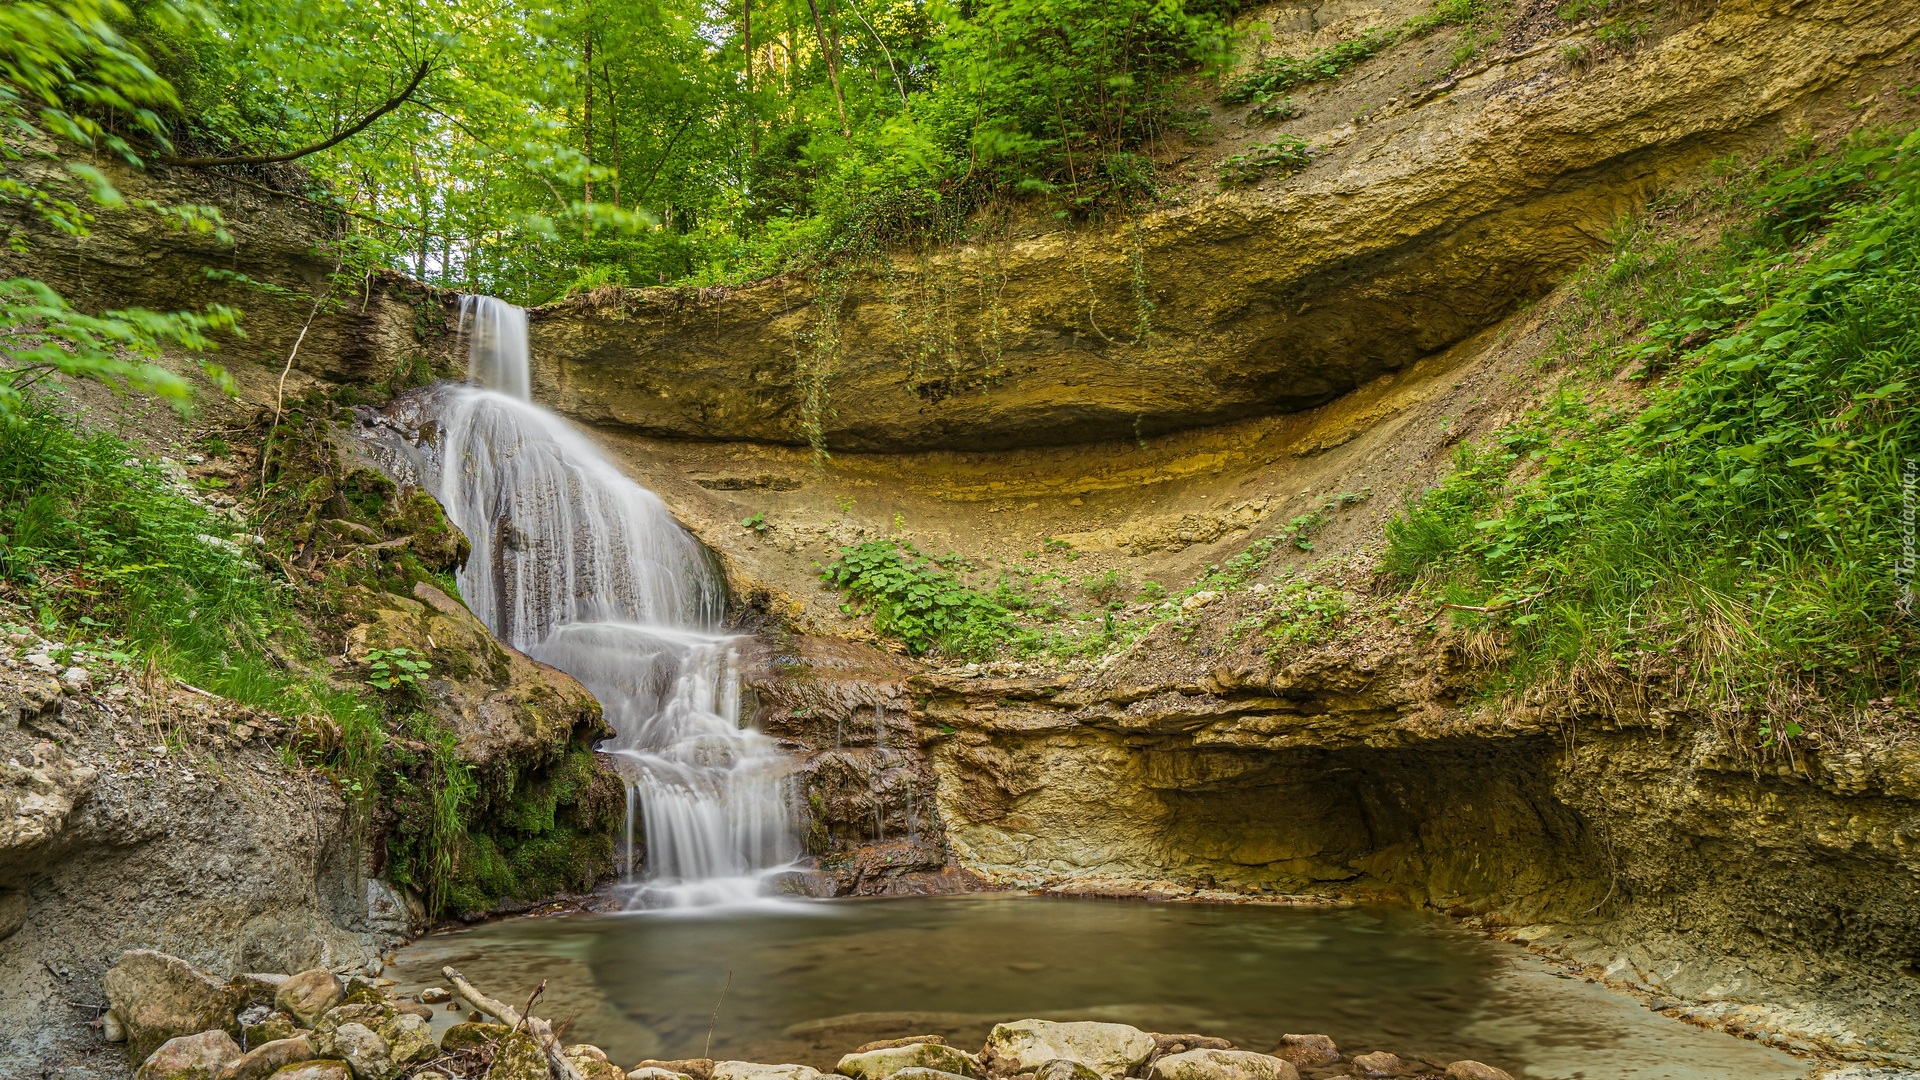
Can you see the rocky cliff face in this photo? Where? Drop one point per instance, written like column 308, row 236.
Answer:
column 1432, row 209
column 1338, row 331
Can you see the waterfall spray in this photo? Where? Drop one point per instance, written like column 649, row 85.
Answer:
column 581, row 568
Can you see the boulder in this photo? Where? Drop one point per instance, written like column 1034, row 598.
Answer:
column 1474, row 1070
column 471, row 1034
column 373, row 1017
column 362, row 1049
column 315, row 1070
column 519, row 1057
column 1210, row 1064
column 307, row 996
column 1109, row 1050
column 268, row 1058
column 1376, row 1065
column 414, row 1008
column 409, row 1039
column 435, row 995
column 917, row 1073
column 655, row 1072
column 882, row 1063
column 592, row 1062
column 156, row 997
column 747, row 1070
column 1305, row 1050
column 190, row 1057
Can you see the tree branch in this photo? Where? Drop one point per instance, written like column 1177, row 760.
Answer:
column 386, row 107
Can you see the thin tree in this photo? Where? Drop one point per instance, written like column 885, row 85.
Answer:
column 833, row 68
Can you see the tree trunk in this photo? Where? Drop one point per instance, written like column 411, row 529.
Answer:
column 586, row 218
column 833, row 67
column 613, row 130
column 746, row 44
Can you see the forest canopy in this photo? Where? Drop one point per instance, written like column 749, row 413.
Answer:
column 528, row 150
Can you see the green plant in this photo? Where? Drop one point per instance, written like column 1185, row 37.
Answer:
column 914, row 599
column 1104, row 587
column 396, row 669
column 1290, row 153
column 1152, row 592
column 1282, row 73
column 1736, row 530
column 1304, row 614
column 1266, row 107
column 756, row 523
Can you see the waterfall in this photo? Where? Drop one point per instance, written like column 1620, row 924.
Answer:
column 580, row 567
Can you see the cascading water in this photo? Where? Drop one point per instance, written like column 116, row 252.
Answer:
column 581, row 568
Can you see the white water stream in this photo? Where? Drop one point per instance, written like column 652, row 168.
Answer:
column 580, row 567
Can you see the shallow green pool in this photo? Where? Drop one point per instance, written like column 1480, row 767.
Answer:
column 809, row 981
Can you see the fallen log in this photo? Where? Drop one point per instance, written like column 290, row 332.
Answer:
column 541, row 1031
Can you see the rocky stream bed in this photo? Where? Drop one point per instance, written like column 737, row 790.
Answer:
column 180, row 1023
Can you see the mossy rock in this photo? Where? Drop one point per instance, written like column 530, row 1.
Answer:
column 472, row 1034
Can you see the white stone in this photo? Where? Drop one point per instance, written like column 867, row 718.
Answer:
column 1112, row 1050
column 1199, row 600
column 881, row 1064
column 1222, row 1065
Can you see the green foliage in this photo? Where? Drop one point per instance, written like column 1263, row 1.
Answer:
column 1304, row 613
column 914, row 599
column 1278, row 74
column 1743, row 527
column 1288, row 152
column 396, row 669
column 756, row 523
column 1105, row 587
column 70, row 81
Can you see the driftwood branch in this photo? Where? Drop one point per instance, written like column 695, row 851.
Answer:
column 386, row 107
column 541, row 1031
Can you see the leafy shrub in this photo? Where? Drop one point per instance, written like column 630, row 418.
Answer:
column 912, row 598
column 396, row 669
column 1288, row 152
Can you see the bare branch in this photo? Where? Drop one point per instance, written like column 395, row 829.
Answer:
column 386, row 107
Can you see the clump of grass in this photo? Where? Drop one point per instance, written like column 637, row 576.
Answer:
column 1279, row 74
column 1288, row 153
column 1739, row 528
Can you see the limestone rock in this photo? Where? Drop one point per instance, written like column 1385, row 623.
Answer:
column 435, row 995
column 1211, row 1064
column 747, row 1070
column 190, row 1057
column 471, row 1034
column 917, row 1073
column 1474, row 1070
column 268, row 1058
column 371, row 1016
column 307, row 996
column 592, row 1062
column 363, row 1049
column 315, row 1070
column 409, row 1039
column 157, row 997
column 1377, row 1064
column 1303, row 1050
column 882, row 1063
column 1110, row 1050
column 519, row 1056
column 37, row 797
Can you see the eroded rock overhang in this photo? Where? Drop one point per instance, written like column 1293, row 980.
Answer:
column 1449, row 207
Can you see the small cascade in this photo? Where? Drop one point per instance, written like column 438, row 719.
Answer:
column 579, row 567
